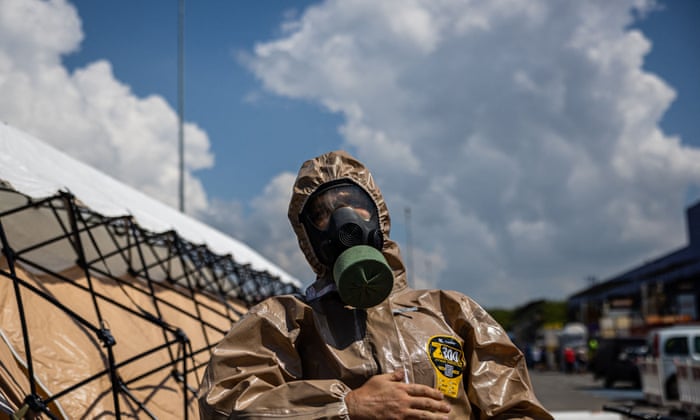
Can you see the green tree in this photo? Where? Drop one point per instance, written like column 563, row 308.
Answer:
column 553, row 312
column 502, row 316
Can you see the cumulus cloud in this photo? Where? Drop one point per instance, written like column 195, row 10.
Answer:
column 264, row 225
column 524, row 136
column 88, row 113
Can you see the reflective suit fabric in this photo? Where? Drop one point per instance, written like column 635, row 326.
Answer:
column 294, row 357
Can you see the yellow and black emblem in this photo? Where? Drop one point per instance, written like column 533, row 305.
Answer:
column 447, row 357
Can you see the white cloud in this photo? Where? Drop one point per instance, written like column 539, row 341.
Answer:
column 524, row 135
column 264, row 225
column 89, row 114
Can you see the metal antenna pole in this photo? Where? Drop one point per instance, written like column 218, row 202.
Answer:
column 409, row 245
column 181, row 100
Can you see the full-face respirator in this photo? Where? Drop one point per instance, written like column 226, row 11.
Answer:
column 342, row 223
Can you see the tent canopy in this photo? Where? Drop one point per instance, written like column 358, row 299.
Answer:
column 38, row 170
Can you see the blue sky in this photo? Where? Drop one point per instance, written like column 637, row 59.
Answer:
column 676, row 59
column 139, row 39
column 536, row 143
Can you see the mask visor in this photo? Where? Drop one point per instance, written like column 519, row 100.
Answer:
column 322, row 204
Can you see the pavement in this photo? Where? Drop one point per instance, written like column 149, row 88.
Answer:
column 578, row 397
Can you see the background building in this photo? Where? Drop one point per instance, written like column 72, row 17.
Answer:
column 661, row 292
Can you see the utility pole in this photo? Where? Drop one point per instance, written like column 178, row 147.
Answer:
column 181, row 99
column 409, row 246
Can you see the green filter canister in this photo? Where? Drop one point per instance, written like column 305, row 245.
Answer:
column 363, row 277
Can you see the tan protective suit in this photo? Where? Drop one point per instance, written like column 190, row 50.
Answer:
column 294, row 357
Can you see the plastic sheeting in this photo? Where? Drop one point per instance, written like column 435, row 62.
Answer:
column 65, row 353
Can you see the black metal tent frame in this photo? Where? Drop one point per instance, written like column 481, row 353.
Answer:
column 105, row 247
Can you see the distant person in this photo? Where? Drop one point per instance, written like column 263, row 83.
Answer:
column 569, row 359
column 361, row 344
column 581, row 360
column 527, row 351
column 536, row 356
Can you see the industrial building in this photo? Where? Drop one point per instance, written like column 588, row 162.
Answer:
column 664, row 291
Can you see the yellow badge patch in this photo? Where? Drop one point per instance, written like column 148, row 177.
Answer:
column 447, row 357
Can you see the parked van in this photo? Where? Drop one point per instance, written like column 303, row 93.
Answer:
column 673, row 343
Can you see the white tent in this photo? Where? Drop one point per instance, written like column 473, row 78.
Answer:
column 37, row 170
column 110, row 302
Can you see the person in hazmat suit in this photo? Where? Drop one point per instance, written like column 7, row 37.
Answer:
column 361, row 344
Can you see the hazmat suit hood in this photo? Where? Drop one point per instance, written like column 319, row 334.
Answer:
column 332, row 167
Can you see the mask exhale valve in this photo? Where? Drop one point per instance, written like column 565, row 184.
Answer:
column 363, row 277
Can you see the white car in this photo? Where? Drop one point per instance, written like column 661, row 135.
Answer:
column 674, row 343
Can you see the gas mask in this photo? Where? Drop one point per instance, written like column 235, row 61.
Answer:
column 342, row 223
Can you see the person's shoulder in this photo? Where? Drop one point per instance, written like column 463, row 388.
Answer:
column 445, row 294
column 440, row 297
column 277, row 303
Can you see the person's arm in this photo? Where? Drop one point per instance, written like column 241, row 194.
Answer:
column 256, row 372
column 498, row 383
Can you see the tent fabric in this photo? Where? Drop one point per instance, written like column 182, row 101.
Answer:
column 110, row 302
column 65, row 353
